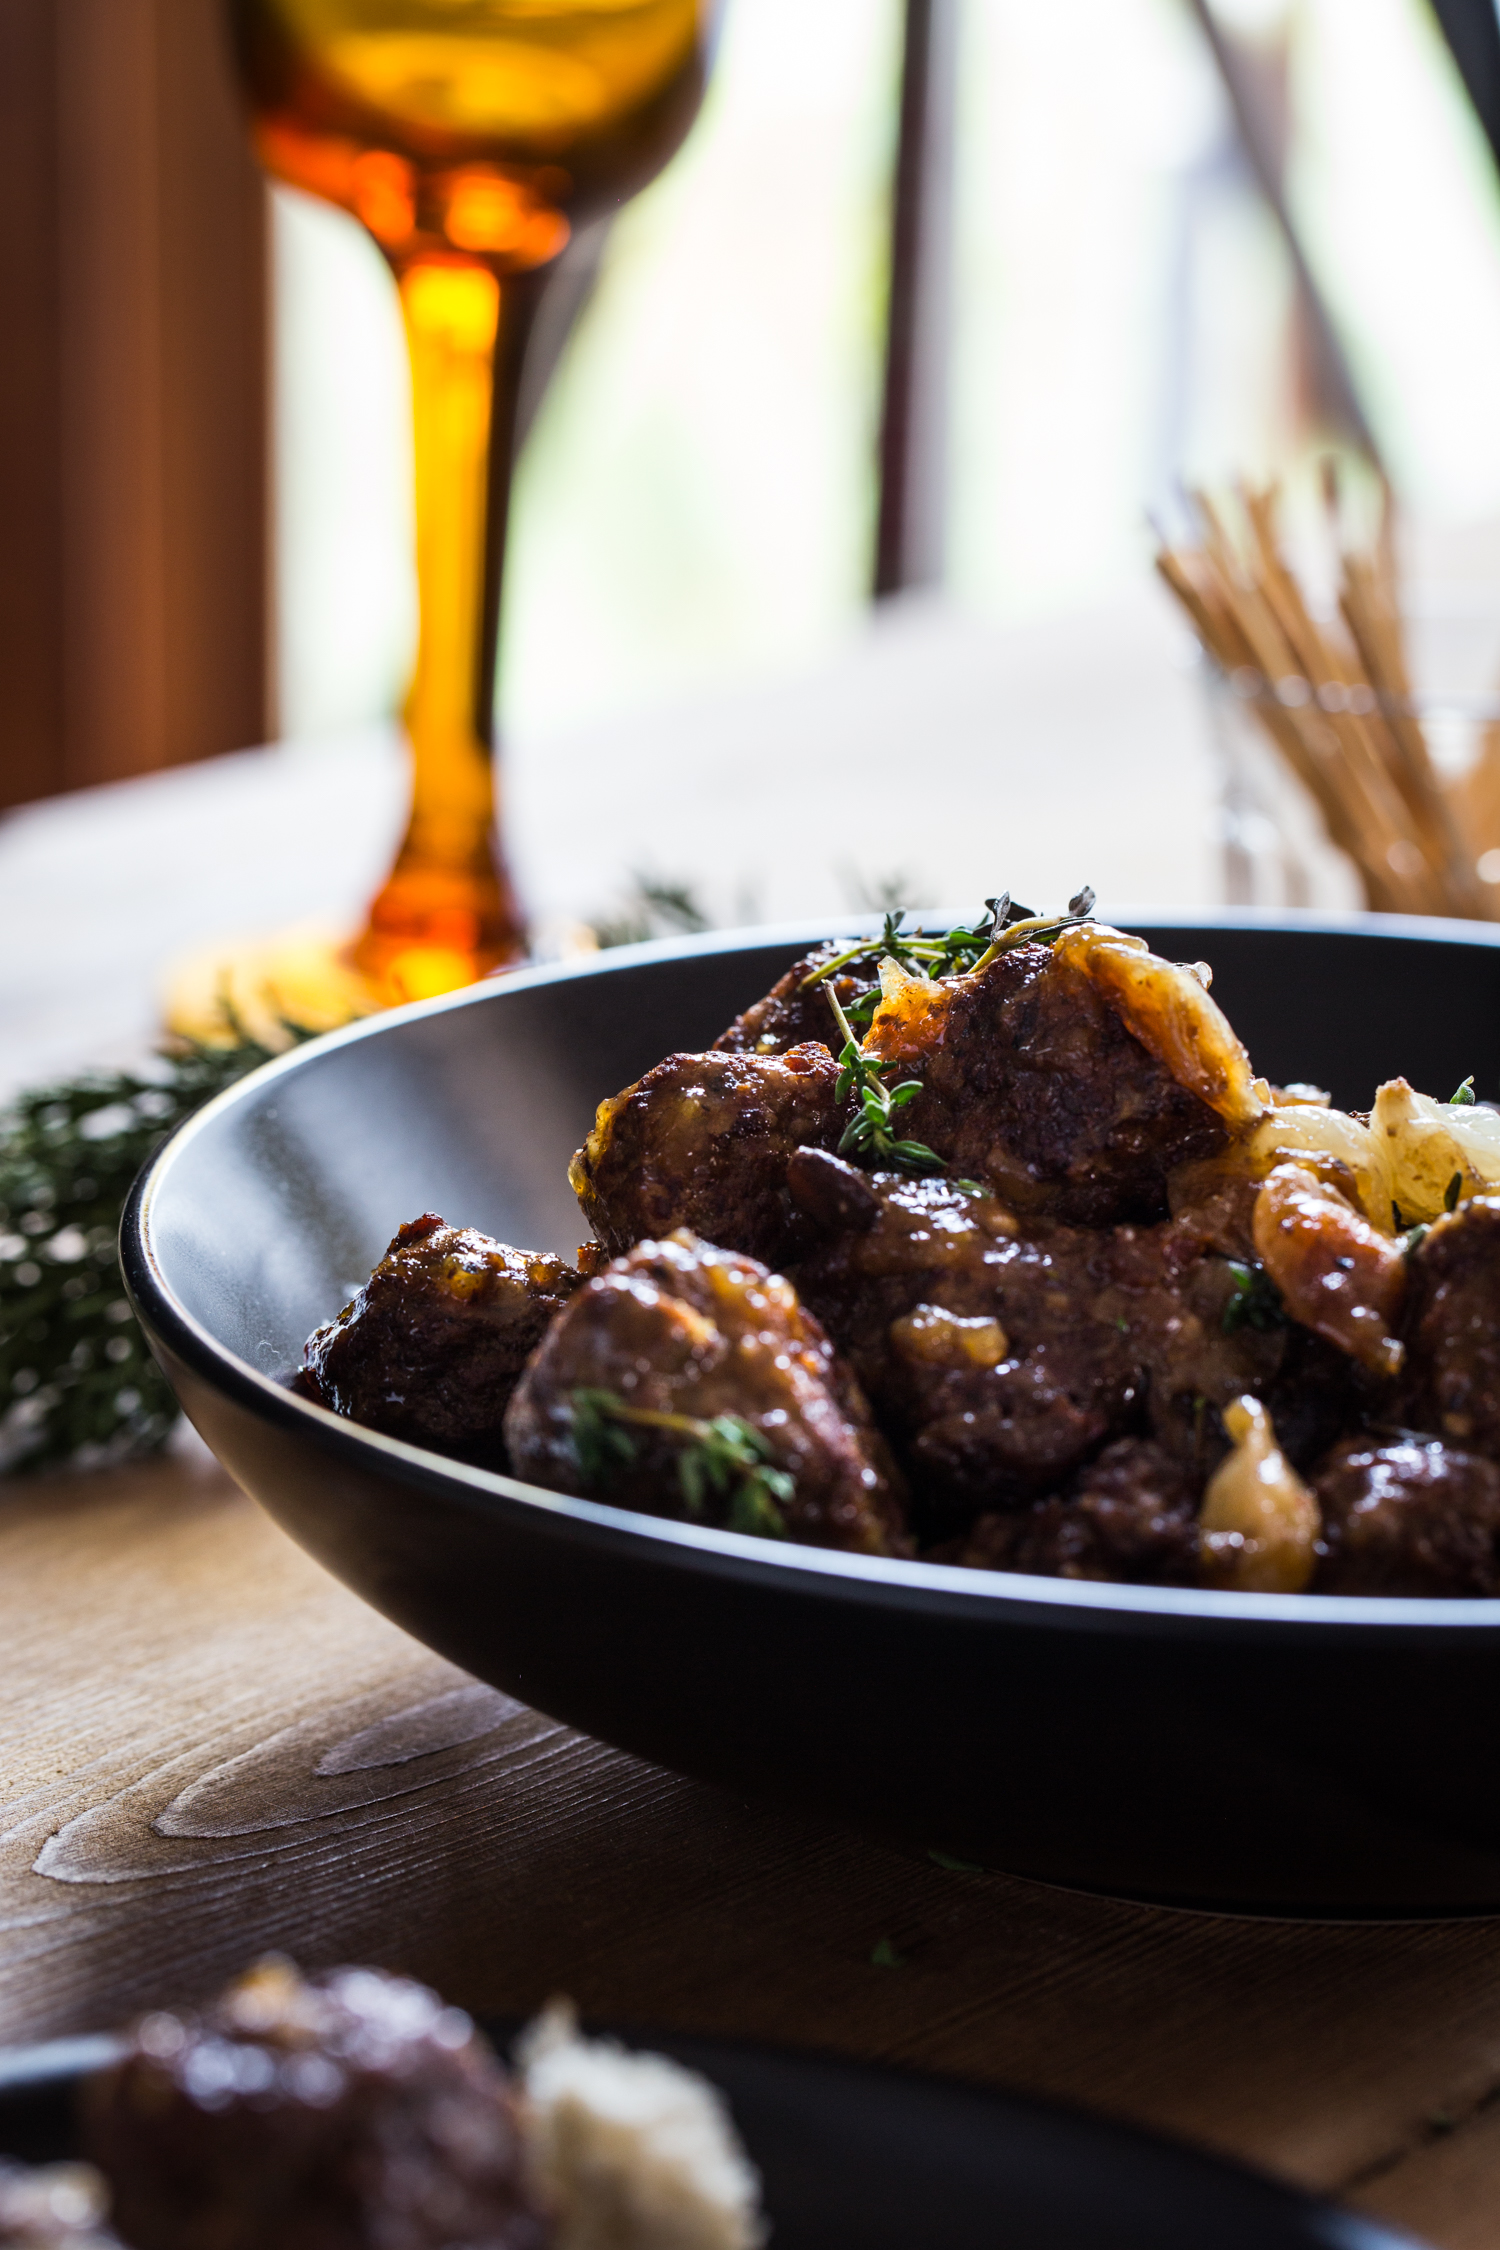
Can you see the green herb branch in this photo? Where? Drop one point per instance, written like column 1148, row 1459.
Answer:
column 724, row 1459
column 77, row 1382
column 957, row 952
column 1255, row 1301
column 869, row 1131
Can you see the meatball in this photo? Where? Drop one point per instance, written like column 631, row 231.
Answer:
column 625, row 1399
column 1131, row 1517
column 1036, row 1080
column 433, row 1345
column 791, row 1014
column 702, row 1142
column 1002, row 1354
column 1453, row 1328
column 53, row 2207
column 1408, row 1515
column 352, row 2109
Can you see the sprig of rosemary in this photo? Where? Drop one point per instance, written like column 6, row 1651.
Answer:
column 656, row 907
column 723, row 1459
column 77, row 1382
column 869, row 1130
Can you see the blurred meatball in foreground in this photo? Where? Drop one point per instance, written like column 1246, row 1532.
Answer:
column 347, row 2111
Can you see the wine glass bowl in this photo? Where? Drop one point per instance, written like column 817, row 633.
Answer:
column 485, row 126
column 469, row 137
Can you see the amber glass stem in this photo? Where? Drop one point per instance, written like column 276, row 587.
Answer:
column 447, row 911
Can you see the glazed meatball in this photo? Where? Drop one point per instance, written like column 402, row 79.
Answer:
column 702, row 1142
column 1034, row 1081
column 347, row 2111
column 53, row 2207
column 433, row 1345
column 1453, row 1329
column 619, row 1401
column 1002, row 1354
column 791, row 1015
column 1131, row 1517
column 1408, row 1516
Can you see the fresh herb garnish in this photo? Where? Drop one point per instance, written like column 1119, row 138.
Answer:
column 883, row 1955
column 923, row 953
column 724, row 1458
column 868, row 1132
column 954, row 1866
column 1464, row 1097
column 1453, row 1191
column 1038, row 927
column 1256, row 1302
column 77, row 1383
column 656, row 907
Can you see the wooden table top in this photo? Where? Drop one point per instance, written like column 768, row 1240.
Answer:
column 211, row 1749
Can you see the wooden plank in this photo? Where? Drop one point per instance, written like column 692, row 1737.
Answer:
column 210, row 1749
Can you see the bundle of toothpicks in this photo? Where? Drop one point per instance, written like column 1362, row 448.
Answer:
column 1335, row 696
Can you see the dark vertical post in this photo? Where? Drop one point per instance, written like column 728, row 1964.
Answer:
column 133, row 396
column 909, row 540
column 1472, row 30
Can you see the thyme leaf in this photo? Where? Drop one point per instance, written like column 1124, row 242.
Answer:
column 868, row 1132
column 1463, row 1097
column 1453, row 1191
column 723, row 1459
column 1255, row 1303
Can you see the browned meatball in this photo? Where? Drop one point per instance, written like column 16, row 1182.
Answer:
column 702, row 1142
column 618, row 1402
column 789, row 1015
column 53, row 2207
column 1408, row 1516
column 433, row 1345
column 1453, row 1328
column 999, row 1355
column 1131, row 1517
column 347, row 2111
column 1033, row 1082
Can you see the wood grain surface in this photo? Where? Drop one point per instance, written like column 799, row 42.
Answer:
column 210, row 1749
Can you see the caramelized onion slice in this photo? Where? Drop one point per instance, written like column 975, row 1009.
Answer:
column 1337, row 1274
column 1169, row 1010
column 1429, row 1145
column 1259, row 1522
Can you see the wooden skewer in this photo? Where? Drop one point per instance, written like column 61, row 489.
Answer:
column 1350, row 734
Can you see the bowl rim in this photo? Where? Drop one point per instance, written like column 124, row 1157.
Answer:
column 975, row 1596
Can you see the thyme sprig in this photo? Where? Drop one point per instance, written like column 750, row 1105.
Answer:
column 924, row 953
column 1037, row 928
column 724, row 1458
column 1463, row 1097
column 77, row 1382
column 957, row 952
column 869, row 1131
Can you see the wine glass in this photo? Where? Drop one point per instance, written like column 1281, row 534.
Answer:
column 470, row 137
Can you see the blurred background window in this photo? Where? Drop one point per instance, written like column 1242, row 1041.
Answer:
column 696, row 501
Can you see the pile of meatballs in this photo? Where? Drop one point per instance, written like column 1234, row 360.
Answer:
column 1090, row 1333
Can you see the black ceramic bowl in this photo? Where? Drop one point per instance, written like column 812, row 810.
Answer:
column 1296, row 1753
